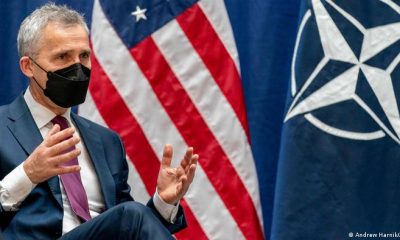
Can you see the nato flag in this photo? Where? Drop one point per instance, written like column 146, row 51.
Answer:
column 338, row 173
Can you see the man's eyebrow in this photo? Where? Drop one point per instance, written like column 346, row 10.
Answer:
column 62, row 51
column 67, row 51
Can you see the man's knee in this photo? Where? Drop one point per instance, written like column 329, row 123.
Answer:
column 131, row 209
column 143, row 224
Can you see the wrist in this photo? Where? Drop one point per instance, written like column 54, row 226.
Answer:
column 29, row 172
column 166, row 199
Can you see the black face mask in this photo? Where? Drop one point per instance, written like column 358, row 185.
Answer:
column 68, row 86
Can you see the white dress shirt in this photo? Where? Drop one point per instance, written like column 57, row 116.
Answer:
column 16, row 186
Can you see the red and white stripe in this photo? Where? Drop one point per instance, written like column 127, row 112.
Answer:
column 181, row 86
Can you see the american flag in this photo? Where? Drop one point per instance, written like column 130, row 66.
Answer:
column 167, row 71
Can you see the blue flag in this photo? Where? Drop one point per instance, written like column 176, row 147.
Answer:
column 339, row 156
column 265, row 34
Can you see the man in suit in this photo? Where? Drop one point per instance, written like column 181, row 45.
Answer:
column 63, row 175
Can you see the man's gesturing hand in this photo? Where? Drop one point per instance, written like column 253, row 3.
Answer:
column 173, row 183
column 47, row 159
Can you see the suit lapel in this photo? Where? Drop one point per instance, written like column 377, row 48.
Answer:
column 25, row 131
column 23, row 127
column 95, row 149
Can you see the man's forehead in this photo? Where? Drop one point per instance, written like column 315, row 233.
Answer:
column 54, row 25
column 57, row 38
column 58, row 31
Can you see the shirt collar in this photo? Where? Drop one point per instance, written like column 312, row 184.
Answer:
column 41, row 115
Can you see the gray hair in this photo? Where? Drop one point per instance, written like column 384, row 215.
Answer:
column 32, row 27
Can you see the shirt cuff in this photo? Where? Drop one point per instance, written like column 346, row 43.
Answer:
column 167, row 211
column 14, row 188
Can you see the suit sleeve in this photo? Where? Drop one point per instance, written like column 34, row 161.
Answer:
column 180, row 221
column 14, row 188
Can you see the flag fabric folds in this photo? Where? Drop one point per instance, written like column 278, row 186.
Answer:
column 168, row 72
column 339, row 159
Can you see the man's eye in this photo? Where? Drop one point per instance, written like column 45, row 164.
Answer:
column 62, row 56
column 85, row 55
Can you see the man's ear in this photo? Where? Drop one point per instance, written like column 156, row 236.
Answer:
column 26, row 66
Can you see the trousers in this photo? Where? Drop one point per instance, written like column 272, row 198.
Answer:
column 129, row 220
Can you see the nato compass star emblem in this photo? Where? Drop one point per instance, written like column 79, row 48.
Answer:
column 355, row 64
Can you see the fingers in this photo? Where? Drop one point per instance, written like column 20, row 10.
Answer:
column 192, row 168
column 188, row 163
column 173, row 183
column 53, row 130
column 55, row 135
column 187, row 158
column 63, row 158
column 182, row 186
column 187, row 176
column 179, row 172
column 40, row 166
column 63, row 146
column 167, row 156
column 68, row 169
column 59, row 161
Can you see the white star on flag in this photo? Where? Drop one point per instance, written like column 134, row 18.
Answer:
column 139, row 13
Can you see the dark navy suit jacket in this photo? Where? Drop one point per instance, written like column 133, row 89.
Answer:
column 40, row 215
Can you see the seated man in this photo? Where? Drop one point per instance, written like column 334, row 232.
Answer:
column 63, row 175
